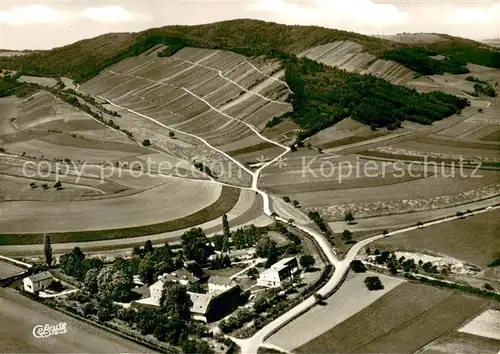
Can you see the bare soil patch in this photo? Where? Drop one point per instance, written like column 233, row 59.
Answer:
column 173, row 199
column 43, row 81
column 457, row 342
column 249, row 149
column 473, row 239
column 228, row 198
column 486, row 325
column 8, row 270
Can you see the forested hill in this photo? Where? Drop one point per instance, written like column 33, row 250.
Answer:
column 84, row 59
column 322, row 95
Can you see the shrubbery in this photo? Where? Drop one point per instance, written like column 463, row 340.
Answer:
column 373, row 283
column 420, row 60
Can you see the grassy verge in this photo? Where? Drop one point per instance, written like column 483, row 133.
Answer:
column 453, row 286
column 250, row 149
column 228, row 198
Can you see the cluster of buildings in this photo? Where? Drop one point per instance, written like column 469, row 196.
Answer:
column 222, row 298
column 223, row 295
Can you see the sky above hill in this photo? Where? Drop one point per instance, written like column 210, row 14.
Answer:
column 45, row 24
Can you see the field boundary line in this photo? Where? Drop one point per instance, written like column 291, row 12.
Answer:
column 255, row 175
column 119, row 131
column 230, row 80
column 16, row 261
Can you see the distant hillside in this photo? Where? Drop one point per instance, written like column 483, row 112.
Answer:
column 86, row 58
column 322, row 95
column 493, row 42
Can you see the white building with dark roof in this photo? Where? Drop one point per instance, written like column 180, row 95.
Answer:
column 201, row 306
column 181, row 276
column 37, row 282
column 220, row 284
column 221, row 299
column 278, row 272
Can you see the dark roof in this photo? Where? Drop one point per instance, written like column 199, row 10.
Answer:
column 40, row 276
column 142, row 290
column 215, row 279
column 181, row 274
column 201, row 302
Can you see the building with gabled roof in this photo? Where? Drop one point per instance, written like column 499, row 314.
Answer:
column 182, row 276
column 201, row 305
column 37, row 282
column 220, row 284
column 223, row 297
column 278, row 272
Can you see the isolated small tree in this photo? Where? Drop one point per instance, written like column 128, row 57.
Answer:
column 253, row 273
column 320, row 150
column 148, row 247
column 226, row 261
column 357, row 266
column 460, row 214
column 47, row 250
column 286, row 199
column 347, row 236
column 488, row 287
column 291, row 221
column 225, row 226
column 385, row 232
column 58, row 184
column 348, row 217
column 420, row 224
column 33, row 185
column 319, row 298
column 392, row 268
column 171, row 134
column 296, row 203
column 307, row 261
column 373, row 283
column 146, row 142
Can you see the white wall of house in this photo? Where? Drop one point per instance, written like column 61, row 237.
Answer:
column 155, row 291
column 33, row 287
column 218, row 287
column 270, row 278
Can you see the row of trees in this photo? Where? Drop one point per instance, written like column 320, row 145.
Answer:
column 318, row 220
column 419, row 59
column 324, row 96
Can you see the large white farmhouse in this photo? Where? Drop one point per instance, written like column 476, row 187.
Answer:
column 279, row 272
column 37, row 282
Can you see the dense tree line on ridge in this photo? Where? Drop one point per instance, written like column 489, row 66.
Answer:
column 322, row 95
